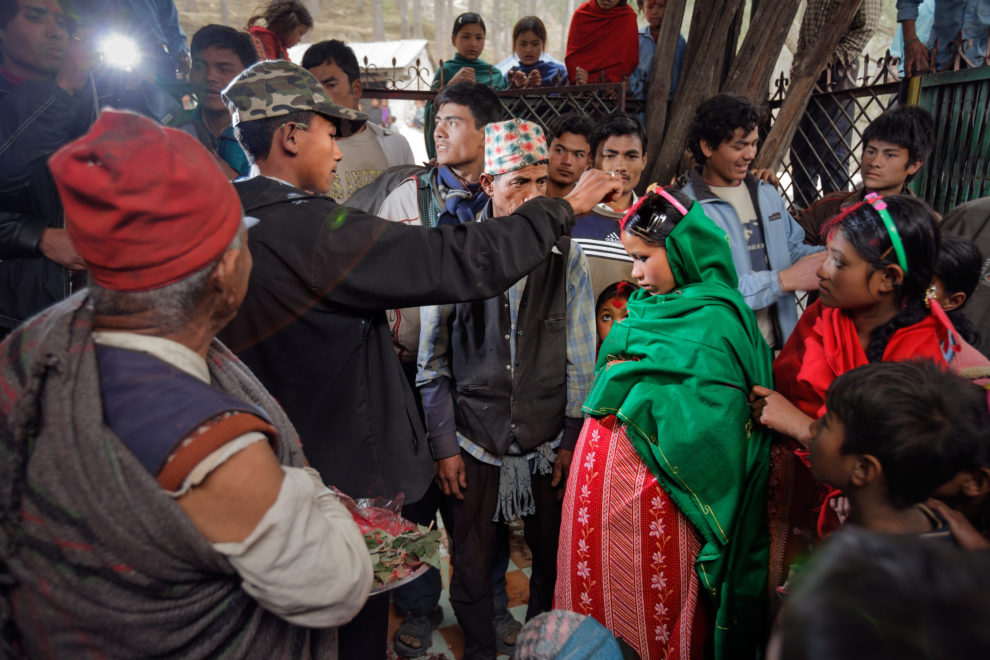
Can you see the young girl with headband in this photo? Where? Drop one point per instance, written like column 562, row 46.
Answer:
column 286, row 22
column 881, row 259
column 663, row 537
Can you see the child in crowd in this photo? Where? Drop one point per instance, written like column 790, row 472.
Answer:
column 468, row 38
column 880, row 262
column 530, row 65
column 871, row 596
column 893, row 434
column 611, row 307
column 286, row 22
column 957, row 275
column 964, row 501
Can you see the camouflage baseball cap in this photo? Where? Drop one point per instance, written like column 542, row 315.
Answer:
column 273, row 88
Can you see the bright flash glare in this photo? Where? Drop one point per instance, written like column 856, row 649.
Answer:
column 120, row 52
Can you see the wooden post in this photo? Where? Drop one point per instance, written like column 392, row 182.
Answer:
column 802, row 85
column 752, row 67
column 710, row 23
column 660, row 77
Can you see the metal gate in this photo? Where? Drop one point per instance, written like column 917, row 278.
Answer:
column 959, row 167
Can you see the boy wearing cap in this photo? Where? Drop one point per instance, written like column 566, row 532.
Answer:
column 153, row 492
column 312, row 326
column 503, row 381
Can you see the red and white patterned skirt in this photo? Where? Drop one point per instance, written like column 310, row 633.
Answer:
column 627, row 552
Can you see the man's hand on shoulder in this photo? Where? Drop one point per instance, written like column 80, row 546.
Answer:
column 803, row 274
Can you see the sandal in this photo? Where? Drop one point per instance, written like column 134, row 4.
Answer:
column 506, row 632
column 419, row 631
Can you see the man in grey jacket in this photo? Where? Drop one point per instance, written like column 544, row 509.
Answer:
column 767, row 244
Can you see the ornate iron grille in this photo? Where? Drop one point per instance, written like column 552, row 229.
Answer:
column 825, row 154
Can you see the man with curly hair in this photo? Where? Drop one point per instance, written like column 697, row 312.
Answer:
column 767, row 244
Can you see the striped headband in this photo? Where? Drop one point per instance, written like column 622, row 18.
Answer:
column 654, row 188
column 880, row 206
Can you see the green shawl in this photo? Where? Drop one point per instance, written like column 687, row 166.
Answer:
column 484, row 74
column 677, row 372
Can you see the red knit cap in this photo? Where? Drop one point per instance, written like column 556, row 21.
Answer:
column 145, row 206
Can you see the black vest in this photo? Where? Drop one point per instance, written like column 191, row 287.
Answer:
column 492, row 406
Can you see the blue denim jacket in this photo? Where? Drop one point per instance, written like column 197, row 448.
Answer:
column 640, row 79
column 970, row 16
column 784, row 240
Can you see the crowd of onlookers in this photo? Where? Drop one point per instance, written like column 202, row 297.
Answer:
column 516, row 330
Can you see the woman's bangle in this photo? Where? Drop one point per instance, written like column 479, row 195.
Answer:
column 911, row 41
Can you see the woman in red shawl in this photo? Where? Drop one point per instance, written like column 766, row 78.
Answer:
column 880, row 262
column 602, row 42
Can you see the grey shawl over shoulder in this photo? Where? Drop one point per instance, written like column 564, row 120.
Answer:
column 95, row 555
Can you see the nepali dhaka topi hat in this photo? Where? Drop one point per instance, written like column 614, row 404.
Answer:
column 513, row 144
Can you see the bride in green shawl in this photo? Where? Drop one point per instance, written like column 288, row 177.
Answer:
column 664, row 537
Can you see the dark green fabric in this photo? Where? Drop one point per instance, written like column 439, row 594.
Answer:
column 484, row 74
column 677, row 372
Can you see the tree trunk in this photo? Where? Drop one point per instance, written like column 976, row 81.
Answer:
column 377, row 21
column 224, row 13
column 703, row 62
column 732, row 40
column 417, row 11
column 440, row 29
column 752, row 68
column 402, row 6
column 565, row 26
column 802, row 85
column 660, row 76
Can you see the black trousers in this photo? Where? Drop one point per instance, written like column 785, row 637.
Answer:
column 475, row 538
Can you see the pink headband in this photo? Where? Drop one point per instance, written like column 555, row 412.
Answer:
column 670, row 198
column 654, row 188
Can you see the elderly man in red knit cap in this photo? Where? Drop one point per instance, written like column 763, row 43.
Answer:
column 153, row 496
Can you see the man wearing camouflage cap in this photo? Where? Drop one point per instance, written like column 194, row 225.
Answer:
column 312, row 326
column 503, row 381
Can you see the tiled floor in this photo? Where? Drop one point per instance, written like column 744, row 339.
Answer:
column 448, row 640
